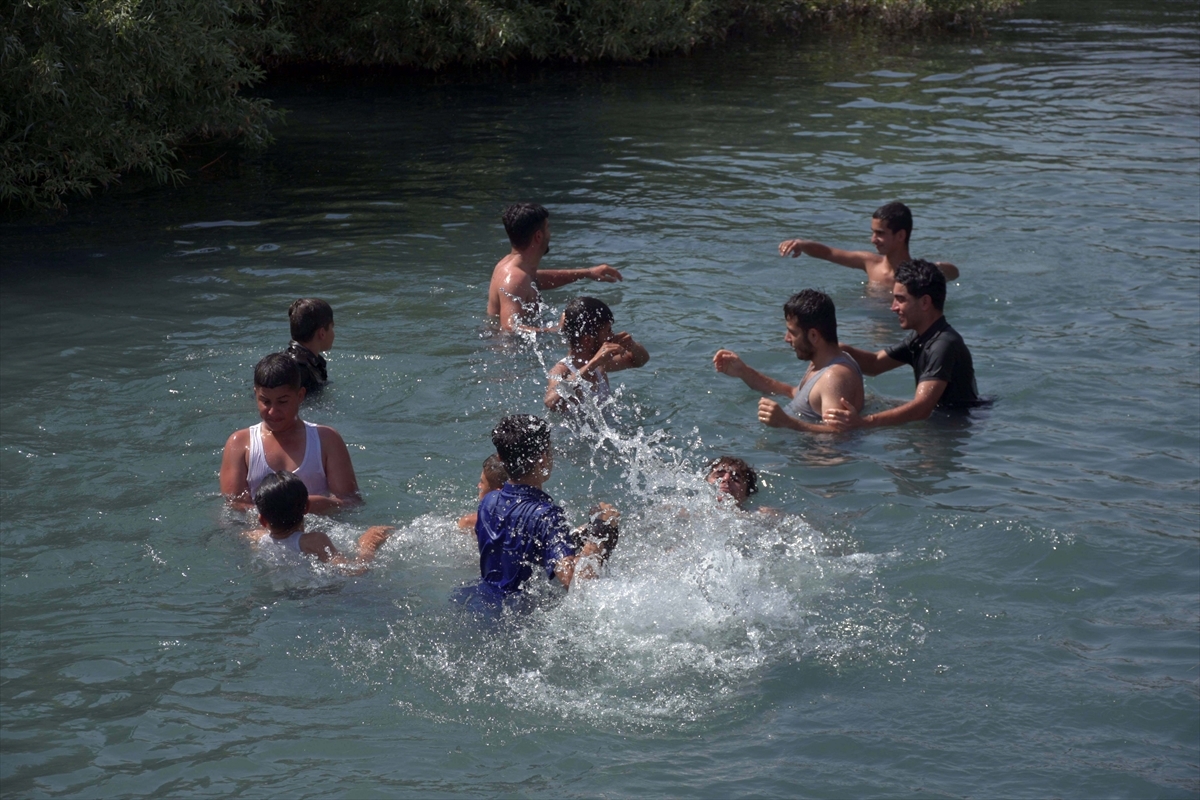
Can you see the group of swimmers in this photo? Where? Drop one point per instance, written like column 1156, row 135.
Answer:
column 518, row 526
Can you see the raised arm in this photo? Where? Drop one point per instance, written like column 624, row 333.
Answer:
column 854, row 259
column 553, row 278
column 870, row 363
column 730, row 363
column 634, row 356
column 339, row 475
column 846, row 417
column 235, row 466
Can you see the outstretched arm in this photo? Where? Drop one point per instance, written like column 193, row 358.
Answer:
column 320, row 545
column 846, row 417
column 854, row 259
column 339, row 475
column 730, row 363
column 553, row 278
column 870, row 363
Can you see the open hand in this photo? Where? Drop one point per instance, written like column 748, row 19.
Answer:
column 792, row 247
column 728, row 362
column 845, row 418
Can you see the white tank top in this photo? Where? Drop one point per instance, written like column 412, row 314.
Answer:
column 292, row 542
column 600, row 388
column 311, row 470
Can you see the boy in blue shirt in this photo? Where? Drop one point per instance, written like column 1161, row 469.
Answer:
column 520, row 528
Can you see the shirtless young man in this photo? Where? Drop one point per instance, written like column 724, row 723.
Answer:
column 593, row 351
column 513, row 294
column 832, row 377
column 283, row 441
column 891, row 230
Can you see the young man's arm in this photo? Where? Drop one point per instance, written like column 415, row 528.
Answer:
column 730, row 363
column 947, row 269
column 234, row 469
column 339, row 475
column 771, row 414
column 317, row 543
column 854, row 259
column 847, row 418
column 554, row 278
column 554, row 400
column 871, row 363
column 838, row 382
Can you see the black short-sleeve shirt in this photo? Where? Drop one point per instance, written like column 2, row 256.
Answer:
column 313, row 374
column 939, row 354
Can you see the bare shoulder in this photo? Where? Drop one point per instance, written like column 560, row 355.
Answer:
column 317, row 543
column 238, row 441
column 329, row 435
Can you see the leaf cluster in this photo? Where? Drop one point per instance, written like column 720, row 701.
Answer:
column 93, row 89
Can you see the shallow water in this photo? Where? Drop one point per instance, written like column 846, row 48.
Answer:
column 1009, row 607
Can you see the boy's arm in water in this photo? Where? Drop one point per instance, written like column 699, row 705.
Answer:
column 730, row 363
column 339, row 475
column 847, row 418
column 854, row 259
column 554, row 278
column 634, row 356
column 870, row 363
column 234, row 469
column 317, row 543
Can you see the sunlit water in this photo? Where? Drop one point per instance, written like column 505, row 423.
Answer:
column 1007, row 607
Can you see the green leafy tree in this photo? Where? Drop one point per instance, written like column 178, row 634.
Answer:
column 92, row 90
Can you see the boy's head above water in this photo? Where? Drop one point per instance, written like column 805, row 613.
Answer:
column 281, row 500
column 733, row 477
column 493, row 475
column 309, row 316
column 522, row 441
column 277, row 390
column 586, row 318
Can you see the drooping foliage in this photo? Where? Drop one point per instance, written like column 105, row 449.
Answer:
column 93, row 89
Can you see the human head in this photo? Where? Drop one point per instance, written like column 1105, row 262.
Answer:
column 521, row 440
column 307, row 316
column 584, row 317
column 275, row 371
column 813, row 310
column 920, row 278
column 493, row 476
column 281, row 499
column 734, row 477
column 522, row 221
column 897, row 217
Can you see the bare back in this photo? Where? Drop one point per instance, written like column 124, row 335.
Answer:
column 513, row 291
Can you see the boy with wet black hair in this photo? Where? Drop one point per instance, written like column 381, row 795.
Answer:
column 282, row 500
column 312, row 334
column 593, row 351
column 316, row 453
column 491, row 478
column 734, row 479
column 891, row 232
column 520, row 527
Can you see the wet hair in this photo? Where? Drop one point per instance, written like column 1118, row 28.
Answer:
column 494, row 473
column 307, row 316
column 897, row 217
column 922, row 278
column 282, row 499
column 738, row 467
column 584, row 316
column 812, row 309
column 520, row 440
column 522, row 221
column 275, row 370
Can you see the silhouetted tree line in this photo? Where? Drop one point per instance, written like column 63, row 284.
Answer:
column 91, row 90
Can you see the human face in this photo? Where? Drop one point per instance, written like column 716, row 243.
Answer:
column 484, row 488
column 884, row 240
column 797, row 337
column 729, row 483
column 279, row 408
column 908, row 309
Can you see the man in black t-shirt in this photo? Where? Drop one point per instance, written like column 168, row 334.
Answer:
column 940, row 360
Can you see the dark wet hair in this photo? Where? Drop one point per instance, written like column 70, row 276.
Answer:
column 275, row 370
column 897, row 217
column 922, row 278
column 494, row 473
column 738, row 467
column 281, row 499
column 520, row 441
column 522, row 221
column 584, row 316
column 812, row 309
column 307, row 316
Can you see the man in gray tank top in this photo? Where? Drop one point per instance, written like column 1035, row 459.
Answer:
column 811, row 323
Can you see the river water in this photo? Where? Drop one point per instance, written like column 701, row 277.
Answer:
column 1008, row 607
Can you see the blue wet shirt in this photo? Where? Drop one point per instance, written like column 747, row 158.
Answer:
column 519, row 527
